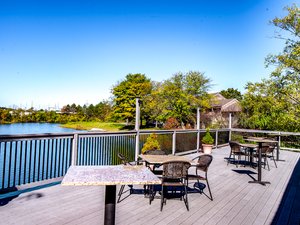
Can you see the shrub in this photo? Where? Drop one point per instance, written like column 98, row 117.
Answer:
column 151, row 143
column 207, row 139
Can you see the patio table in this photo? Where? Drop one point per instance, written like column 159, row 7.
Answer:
column 160, row 159
column 109, row 176
column 260, row 141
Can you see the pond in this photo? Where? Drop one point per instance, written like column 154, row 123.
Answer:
column 32, row 128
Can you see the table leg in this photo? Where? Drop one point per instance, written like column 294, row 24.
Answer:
column 110, row 205
column 259, row 181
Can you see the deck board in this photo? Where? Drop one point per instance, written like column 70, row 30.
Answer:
column 235, row 200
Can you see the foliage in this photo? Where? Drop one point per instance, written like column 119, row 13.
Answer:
column 237, row 137
column 125, row 94
column 207, row 138
column 69, row 113
column 151, row 143
column 232, row 93
column 274, row 103
column 180, row 96
column 171, row 123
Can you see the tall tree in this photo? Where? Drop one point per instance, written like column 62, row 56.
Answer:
column 124, row 95
column 274, row 103
column 182, row 94
column 232, row 93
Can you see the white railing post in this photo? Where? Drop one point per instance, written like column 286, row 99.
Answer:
column 198, row 129
column 137, row 128
column 229, row 126
column 216, row 139
column 74, row 150
column 174, row 143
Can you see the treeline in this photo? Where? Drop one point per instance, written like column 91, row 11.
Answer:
column 69, row 113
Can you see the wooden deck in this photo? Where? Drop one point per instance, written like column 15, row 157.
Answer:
column 235, row 200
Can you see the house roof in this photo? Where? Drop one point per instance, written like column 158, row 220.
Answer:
column 226, row 105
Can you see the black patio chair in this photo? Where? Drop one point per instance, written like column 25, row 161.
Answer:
column 125, row 161
column 267, row 152
column 154, row 168
column 203, row 163
column 174, row 176
column 236, row 152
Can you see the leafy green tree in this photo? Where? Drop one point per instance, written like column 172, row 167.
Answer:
column 125, row 94
column 274, row 103
column 182, row 94
column 232, row 93
column 286, row 74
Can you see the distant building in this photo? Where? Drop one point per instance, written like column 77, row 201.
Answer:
column 221, row 107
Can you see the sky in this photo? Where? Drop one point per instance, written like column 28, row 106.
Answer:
column 59, row 52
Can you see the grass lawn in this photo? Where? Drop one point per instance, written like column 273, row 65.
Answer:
column 100, row 125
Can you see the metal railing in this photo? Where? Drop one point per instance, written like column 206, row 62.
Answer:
column 30, row 158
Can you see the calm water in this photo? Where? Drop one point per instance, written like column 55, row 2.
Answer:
column 33, row 128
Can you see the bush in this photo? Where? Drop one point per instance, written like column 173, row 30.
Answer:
column 151, row 143
column 207, row 139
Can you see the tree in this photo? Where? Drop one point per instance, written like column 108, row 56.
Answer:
column 231, row 93
column 286, row 74
column 124, row 95
column 181, row 95
column 274, row 103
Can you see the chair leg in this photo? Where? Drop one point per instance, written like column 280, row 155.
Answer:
column 120, row 193
column 211, row 198
column 229, row 159
column 162, row 198
column 186, row 198
column 274, row 160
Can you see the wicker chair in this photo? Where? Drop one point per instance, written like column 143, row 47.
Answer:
column 236, row 151
column 203, row 163
column 125, row 161
column 175, row 176
column 154, row 168
column 267, row 151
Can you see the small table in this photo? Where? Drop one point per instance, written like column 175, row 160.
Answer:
column 260, row 141
column 159, row 159
column 110, row 176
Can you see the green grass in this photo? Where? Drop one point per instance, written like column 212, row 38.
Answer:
column 100, row 125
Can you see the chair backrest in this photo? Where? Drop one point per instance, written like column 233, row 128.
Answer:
column 123, row 159
column 204, row 161
column 175, row 169
column 235, row 146
column 154, row 152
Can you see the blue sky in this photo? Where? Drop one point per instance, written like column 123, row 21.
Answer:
column 60, row 52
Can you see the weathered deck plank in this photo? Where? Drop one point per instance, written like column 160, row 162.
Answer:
column 235, row 200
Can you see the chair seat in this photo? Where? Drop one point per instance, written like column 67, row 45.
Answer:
column 173, row 184
column 196, row 177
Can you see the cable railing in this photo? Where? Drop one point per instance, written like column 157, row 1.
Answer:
column 36, row 157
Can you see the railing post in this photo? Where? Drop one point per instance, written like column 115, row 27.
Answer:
column 229, row 126
column 74, row 150
column 278, row 146
column 174, row 143
column 137, row 128
column 137, row 145
column 216, row 139
column 198, row 129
